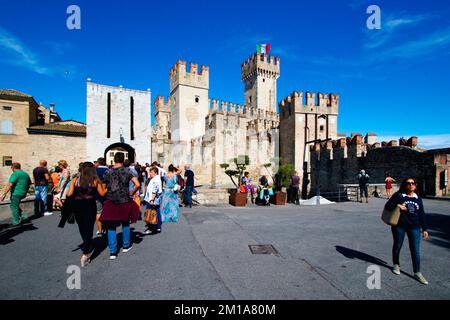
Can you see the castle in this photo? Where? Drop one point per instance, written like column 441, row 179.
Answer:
column 190, row 127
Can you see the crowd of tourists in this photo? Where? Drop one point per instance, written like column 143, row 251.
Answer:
column 112, row 197
column 106, row 196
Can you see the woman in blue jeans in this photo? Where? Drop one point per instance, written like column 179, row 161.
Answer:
column 119, row 208
column 412, row 222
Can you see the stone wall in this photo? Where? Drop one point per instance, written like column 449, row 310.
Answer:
column 339, row 162
column 47, row 147
column 212, row 196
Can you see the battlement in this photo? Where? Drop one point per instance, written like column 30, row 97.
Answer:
column 261, row 126
column 230, row 108
column 225, row 107
column 161, row 105
column 260, row 64
column 310, row 102
column 179, row 75
column 356, row 145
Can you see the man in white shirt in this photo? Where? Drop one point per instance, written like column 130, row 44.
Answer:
column 153, row 198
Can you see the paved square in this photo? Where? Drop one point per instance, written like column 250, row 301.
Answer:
column 323, row 253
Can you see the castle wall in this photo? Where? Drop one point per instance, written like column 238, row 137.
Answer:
column 340, row 161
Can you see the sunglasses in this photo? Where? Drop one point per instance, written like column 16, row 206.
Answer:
column 411, row 183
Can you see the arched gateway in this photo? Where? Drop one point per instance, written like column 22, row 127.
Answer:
column 126, row 149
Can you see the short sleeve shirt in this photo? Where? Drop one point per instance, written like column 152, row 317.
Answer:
column 190, row 178
column 154, row 186
column 20, row 181
column 39, row 176
column 117, row 182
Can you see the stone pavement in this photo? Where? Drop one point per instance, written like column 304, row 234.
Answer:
column 323, row 253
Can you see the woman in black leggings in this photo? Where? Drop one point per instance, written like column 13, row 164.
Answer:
column 84, row 189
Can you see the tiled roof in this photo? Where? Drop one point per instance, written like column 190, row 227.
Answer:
column 59, row 129
column 14, row 93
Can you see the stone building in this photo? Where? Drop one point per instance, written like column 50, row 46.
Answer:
column 335, row 163
column 303, row 121
column 117, row 120
column 31, row 132
column 190, row 127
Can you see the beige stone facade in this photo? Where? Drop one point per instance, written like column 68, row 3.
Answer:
column 31, row 132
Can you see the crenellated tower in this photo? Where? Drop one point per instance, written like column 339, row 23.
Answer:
column 162, row 118
column 303, row 119
column 189, row 96
column 259, row 74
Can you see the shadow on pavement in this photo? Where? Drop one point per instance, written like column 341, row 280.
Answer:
column 9, row 232
column 439, row 229
column 100, row 243
column 354, row 254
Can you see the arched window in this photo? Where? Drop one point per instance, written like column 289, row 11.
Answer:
column 6, row 126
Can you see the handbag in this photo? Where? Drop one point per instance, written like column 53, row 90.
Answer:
column 391, row 217
column 67, row 214
column 150, row 216
column 176, row 187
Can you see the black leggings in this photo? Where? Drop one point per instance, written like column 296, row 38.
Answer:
column 85, row 215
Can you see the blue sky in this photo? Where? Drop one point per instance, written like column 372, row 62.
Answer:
column 394, row 81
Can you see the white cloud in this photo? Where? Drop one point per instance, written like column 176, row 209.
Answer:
column 390, row 27
column 17, row 53
column 435, row 141
column 431, row 43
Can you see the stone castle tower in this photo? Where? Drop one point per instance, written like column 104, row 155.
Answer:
column 189, row 97
column 304, row 122
column 260, row 74
column 192, row 128
column 117, row 120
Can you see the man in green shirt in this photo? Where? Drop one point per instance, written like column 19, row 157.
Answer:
column 19, row 183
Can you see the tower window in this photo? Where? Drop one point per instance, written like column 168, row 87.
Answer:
column 7, row 161
column 6, row 126
column 250, row 99
column 131, row 118
column 322, row 128
column 197, row 99
column 264, row 80
column 7, row 108
column 108, row 115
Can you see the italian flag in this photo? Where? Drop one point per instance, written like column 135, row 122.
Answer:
column 263, row 48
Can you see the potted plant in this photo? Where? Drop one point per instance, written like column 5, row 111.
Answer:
column 283, row 182
column 237, row 199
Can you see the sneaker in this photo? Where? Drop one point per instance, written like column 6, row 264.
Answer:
column 84, row 260
column 112, row 256
column 396, row 269
column 148, row 231
column 419, row 277
column 125, row 250
column 48, row 214
column 158, row 230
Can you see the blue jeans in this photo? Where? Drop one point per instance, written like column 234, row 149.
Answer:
column 40, row 199
column 414, row 236
column 112, row 237
column 188, row 195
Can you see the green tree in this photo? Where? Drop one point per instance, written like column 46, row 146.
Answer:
column 241, row 163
